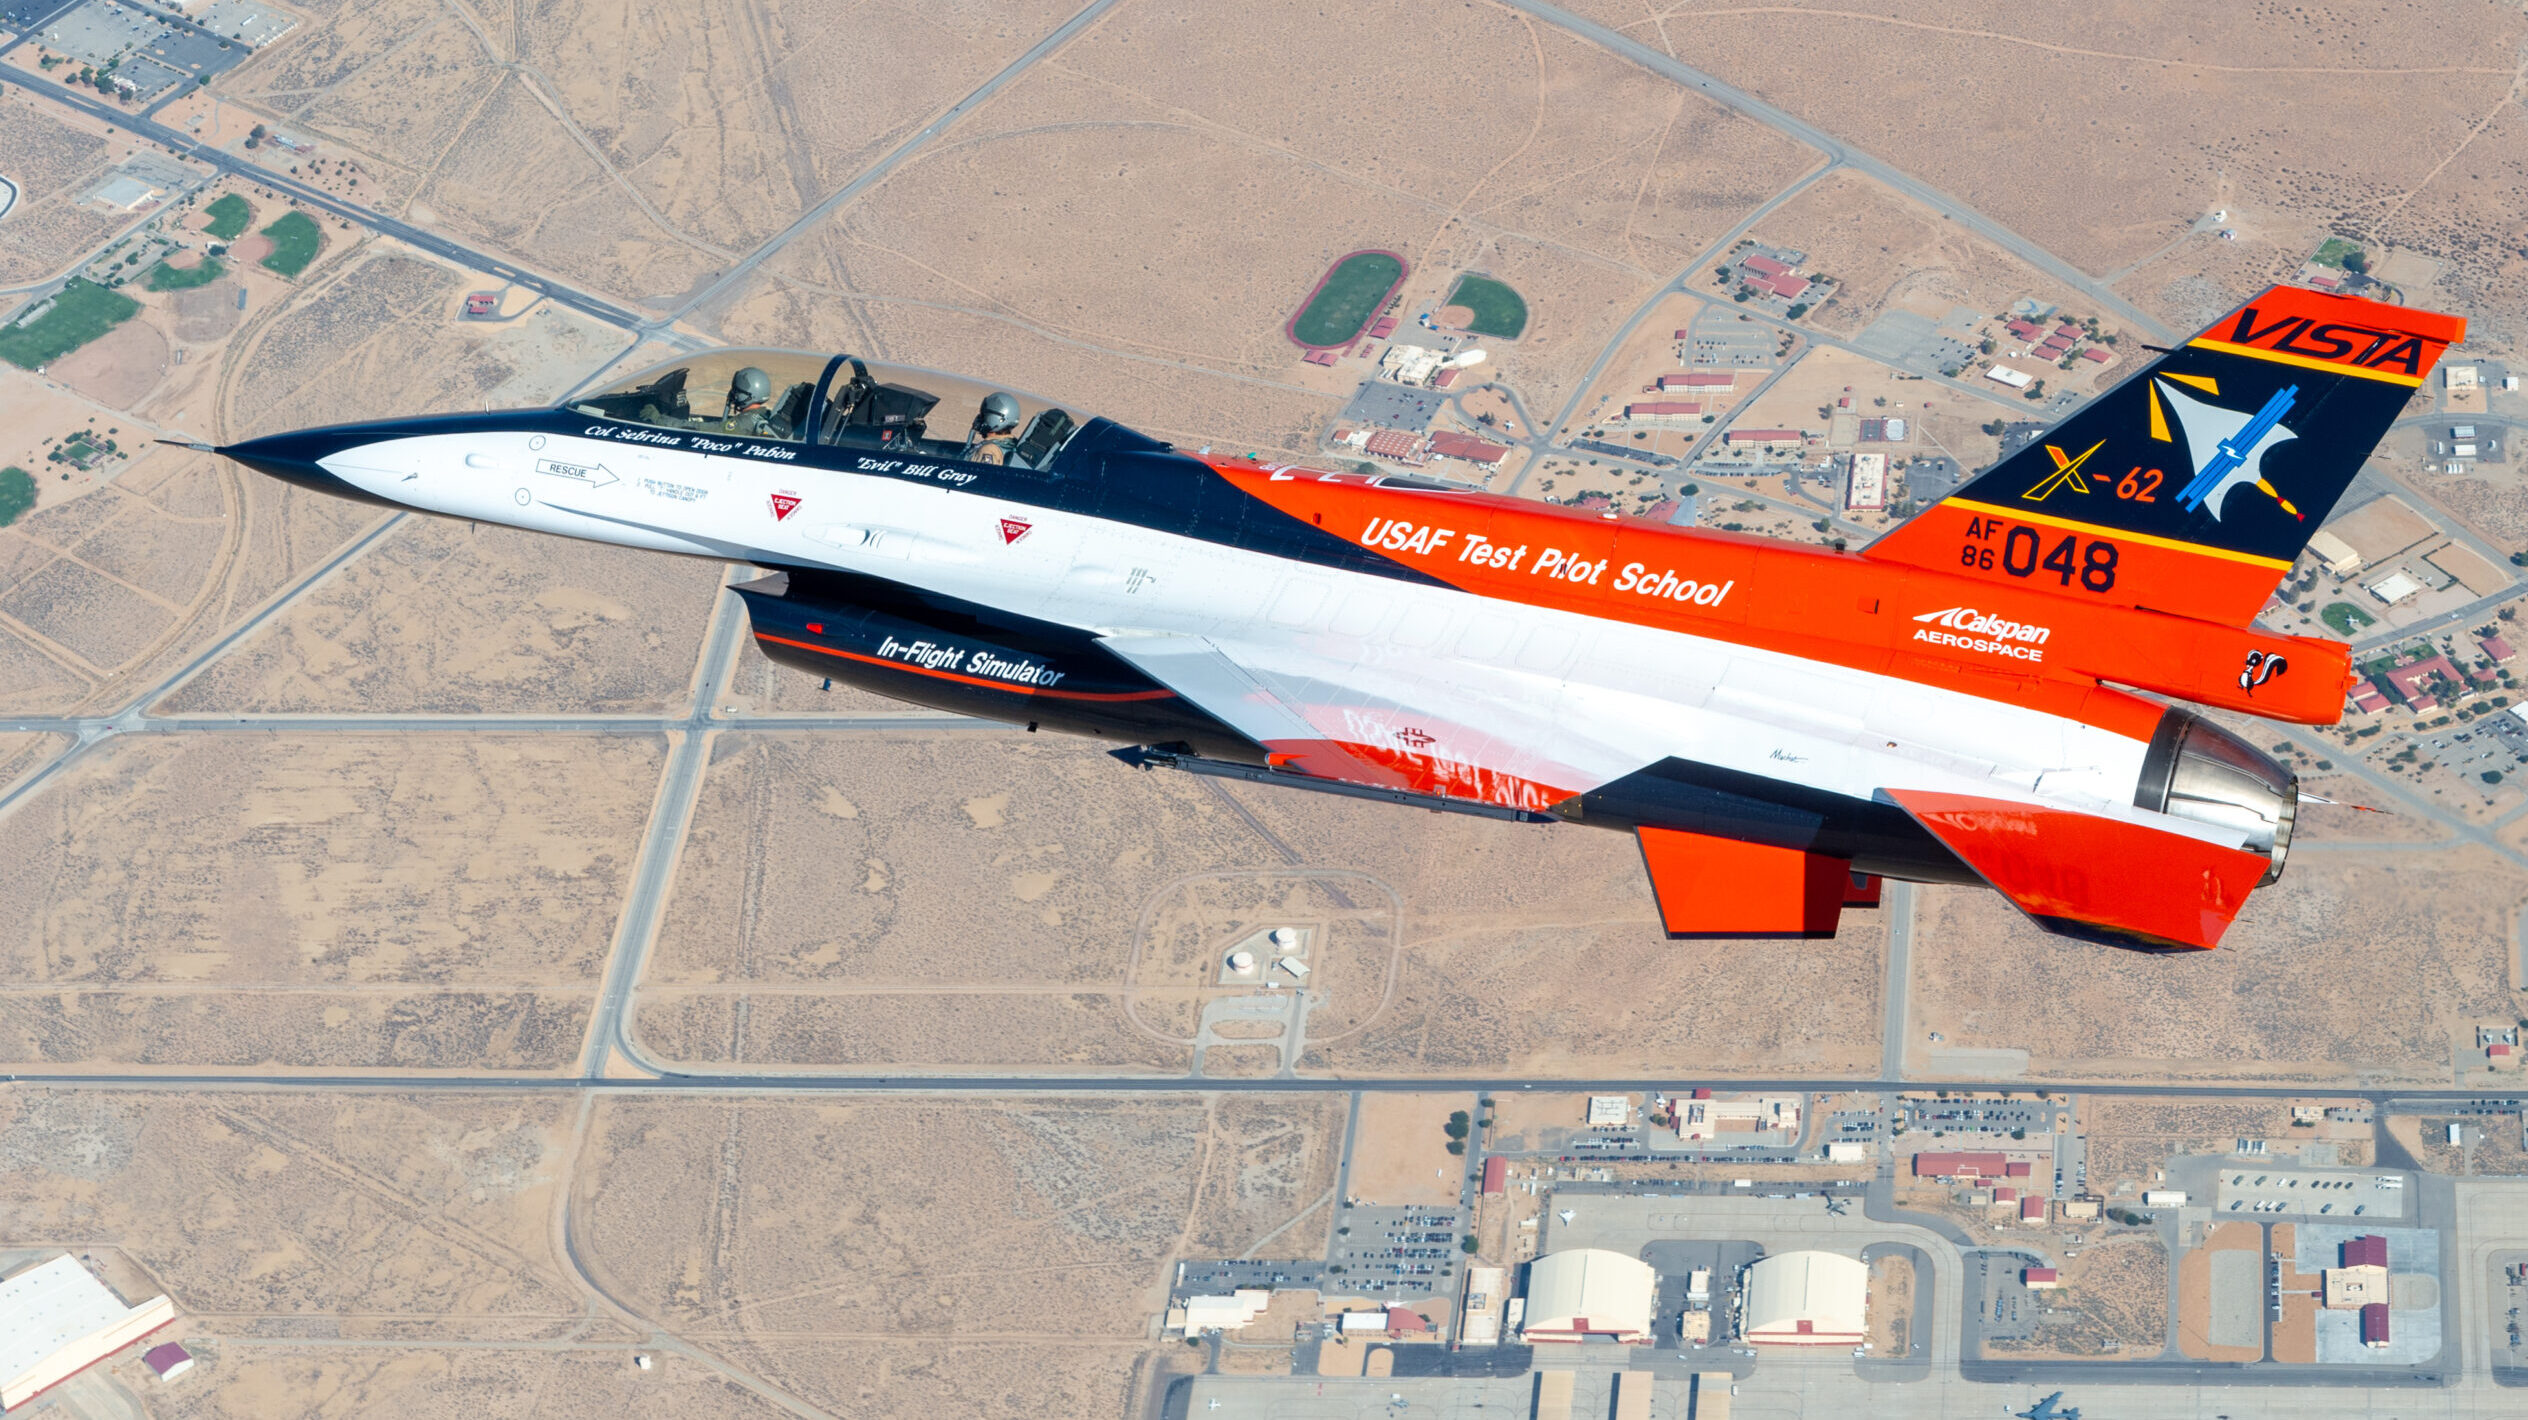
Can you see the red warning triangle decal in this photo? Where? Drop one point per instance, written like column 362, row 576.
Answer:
column 783, row 504
column 1012, row 529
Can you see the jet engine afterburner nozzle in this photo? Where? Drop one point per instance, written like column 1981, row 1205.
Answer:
column 2197, row 770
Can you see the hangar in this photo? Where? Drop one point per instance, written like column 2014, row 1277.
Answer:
column 1806, row 1299
column 1590, row 1293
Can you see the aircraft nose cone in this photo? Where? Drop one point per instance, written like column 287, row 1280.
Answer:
column 296, row 458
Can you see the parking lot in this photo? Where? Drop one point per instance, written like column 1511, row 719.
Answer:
column 1396, row 1251
column 2301, row 1193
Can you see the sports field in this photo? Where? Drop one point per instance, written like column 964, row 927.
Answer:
column 295, row 242
column 17, row 493
column 1348, row 296
column 163, row 277
column 1498, row 311
column 230, row 216
column 82, row 312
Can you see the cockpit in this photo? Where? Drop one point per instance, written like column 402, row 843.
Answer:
column 842, row 401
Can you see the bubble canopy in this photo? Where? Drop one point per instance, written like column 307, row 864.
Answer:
column 837, row 400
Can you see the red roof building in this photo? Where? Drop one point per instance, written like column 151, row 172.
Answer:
column 1466, row 446
column 2005, row 1194
column 1404, row 1321
column 2324, row 283
column 1685, row 335
column 2040, row 1278
column 1988, row 1164
column 1789, row 287
column 168, row 1359
column 2017, row 1168
column 2068, row 331
column 1658, row 408
column 1699, row 380
column 2031, row 1209
column 1383, row 327
column 2374, row 1324
column 1765, row 266
column 2054, row 349
column 2409, row 682
column 2367, row 699
column 2369, row 1250
column 1322, row 357
column 2098, row 353
column 2022, row 330
column 1496, row 1176
column 1395, row 444
column 1446, row 378
column 2498, row 649
column 2498, row 1050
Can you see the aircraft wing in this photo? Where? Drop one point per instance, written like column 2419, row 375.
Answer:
column 1386, row 721
column 2095, row 878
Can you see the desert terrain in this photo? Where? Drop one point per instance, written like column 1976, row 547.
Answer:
column 285, row 799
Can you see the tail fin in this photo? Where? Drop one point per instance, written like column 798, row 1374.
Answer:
column 2191, row 487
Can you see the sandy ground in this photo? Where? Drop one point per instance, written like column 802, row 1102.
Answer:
column 1400, row 1151
column 2194, row 1292
column 2351, row 964
column 119, row 368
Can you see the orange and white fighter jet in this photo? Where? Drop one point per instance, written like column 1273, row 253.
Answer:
column 1980, row 696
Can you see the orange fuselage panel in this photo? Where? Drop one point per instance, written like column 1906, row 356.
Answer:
column 2044, row 636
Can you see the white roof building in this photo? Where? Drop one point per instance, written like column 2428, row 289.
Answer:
column 2394, row 587
column 1229, row 1313
column 2337, row 554
column 1610, row 1109
column 1590, row 1292
column 1807, row 1299
column 1410, row 364
column 56, row 1320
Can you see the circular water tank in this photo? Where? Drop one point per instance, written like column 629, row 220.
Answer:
column 1285, row 938
column 1242, row 961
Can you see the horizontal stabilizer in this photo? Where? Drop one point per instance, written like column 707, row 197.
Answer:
column 1721, row 887
column 2097, row 879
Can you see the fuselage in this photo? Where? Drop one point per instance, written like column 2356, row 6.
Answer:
column 1391, row 632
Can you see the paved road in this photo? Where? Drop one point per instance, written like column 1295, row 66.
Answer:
column 184, row 143
column 661, row 846
column 773, row 1082
column 1898, row 908
column 1844, row 154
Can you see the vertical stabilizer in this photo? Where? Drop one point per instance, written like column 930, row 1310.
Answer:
column 2192, row 486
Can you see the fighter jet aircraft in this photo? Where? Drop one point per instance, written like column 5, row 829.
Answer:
column 2045, row 1410
column 1979, row 696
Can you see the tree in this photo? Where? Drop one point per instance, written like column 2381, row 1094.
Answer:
column 1458, row 1126
column 2492, row 776
column 257, row 131
column 1798, row 310
column 1467, row 1244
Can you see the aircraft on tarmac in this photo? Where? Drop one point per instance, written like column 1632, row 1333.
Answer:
column 1972, row 698
column 2045, row 1410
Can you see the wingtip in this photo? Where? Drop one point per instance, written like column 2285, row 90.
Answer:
column 194, row 444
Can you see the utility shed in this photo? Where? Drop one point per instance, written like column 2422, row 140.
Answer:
column 57, row 1320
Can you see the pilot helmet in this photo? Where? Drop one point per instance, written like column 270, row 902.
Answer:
column 999, row 414
column 749, row 387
